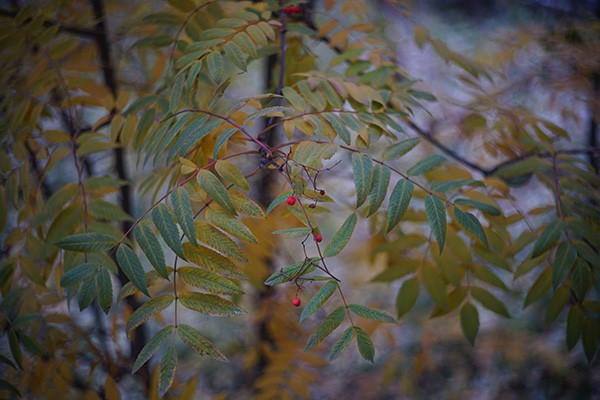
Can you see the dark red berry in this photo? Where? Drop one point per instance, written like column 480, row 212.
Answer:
column 291, row 200
column 322, row 192
column 312, row 205
column 292, row 10
column 296, row 302
column 318, row 238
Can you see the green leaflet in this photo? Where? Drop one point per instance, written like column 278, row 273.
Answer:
column 563, row 262
column 214, row 62
column 341, row 344
column 194, row 339
column 246, row 206
column 104, row 289
column 484, row 207
column 319, row 299
column 520, row 168
column 76, row 275
column 152, row 277
column 183, row 211
column 484, row 274
column 371, row 313
column 547, row 238
column 152, row 347
column 87, row 293
column 86, row 242
column 379, row 186
column 191, row 135
column 471, row 224
column 294, row 98
column 469, row 321
column 275, row 112
column 209, row 304
column 216, row 190
column 292, row 233
column 176, row 91
column 539, row 288
column 332, row 321
column 314, row 98
column 212, row 260
column 407, row 296
column 311, row 154
column 436, row 216
column 397, row 271
column 365, row 344
column 235, row 55
column 151, row 248
column 489, row 301
column 230, row 173
column 167, row 139
column 277, row 201
column 102, row 209
column 291, row 272
column 444, row 186
column 425, row 165
column 574, row 325
column 148, row 310
column 399, row 200
column 163, row 219
column 222, row 139
column 433, row 282
column 582, row 279
column 208, row 281
column 399, row 149
column 245, row 43
column 341, row 237
column 132, row 267
column 338, row 126
column 455, row 299
column 15, row 348
column 166, row 371
column 216, row 239
column 362, row 166
column 231, row 225
column 556, row 304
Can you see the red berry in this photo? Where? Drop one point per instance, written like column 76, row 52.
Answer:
column 312, row 205
column 292, row 10
column 322, row 192
column 296, row 302
column 291, row 200
column 318, row 238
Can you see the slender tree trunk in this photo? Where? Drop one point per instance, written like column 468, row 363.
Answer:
column 110, row 80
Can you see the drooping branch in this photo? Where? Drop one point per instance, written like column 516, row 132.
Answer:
column 75, row 30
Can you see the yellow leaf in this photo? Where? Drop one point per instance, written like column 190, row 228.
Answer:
column 340, row 39
column 122, row 100
column 327, row 27
column 115, row 127
column 110, row 389
column 357, row 93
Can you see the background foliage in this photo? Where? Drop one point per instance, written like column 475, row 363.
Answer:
column 166, row 163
